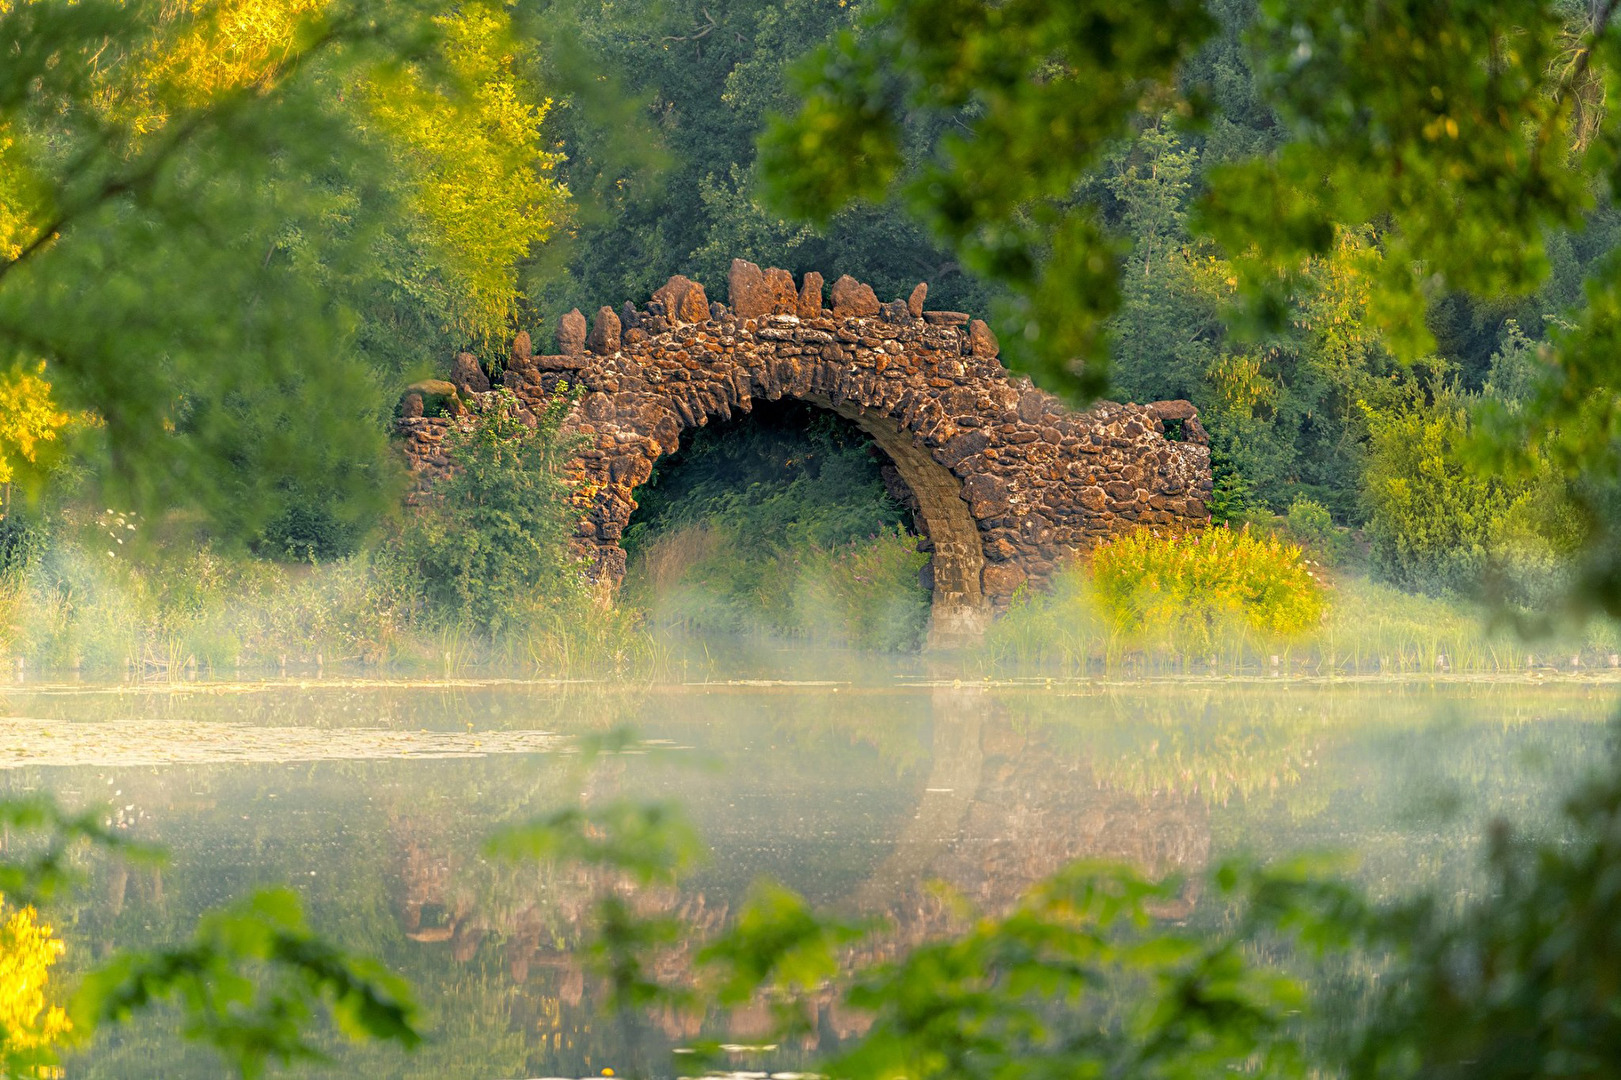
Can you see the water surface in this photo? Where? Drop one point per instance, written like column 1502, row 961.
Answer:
column 373, row 799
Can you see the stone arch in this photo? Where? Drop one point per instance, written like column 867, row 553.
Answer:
column 1008, row 482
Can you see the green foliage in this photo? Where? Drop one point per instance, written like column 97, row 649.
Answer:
column 1192, row 589
column 248, row 984
column 251, row 196
column 490, row 549
column 1344, row 192
column 1029, row 991
column 1016, row 81
column 1429, row 515
column 1312, row 527
column 1441, row 522
column 666, row 176
column 1393, row 118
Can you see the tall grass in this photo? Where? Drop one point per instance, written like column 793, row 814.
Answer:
column 863, row 593
column 78, row 609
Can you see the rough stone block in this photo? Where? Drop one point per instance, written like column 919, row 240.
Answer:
column 981, row 342
column 745, row 290
column 853, row 299
column 810, row 296
column 1002, row 579
column 987, row 495
column 683, row 300
column 780, row 293
column 468, row 374
column 604, row 339
column 914, row 303
column 571, row 333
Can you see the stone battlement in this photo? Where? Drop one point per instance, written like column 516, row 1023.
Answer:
column 1005, row 483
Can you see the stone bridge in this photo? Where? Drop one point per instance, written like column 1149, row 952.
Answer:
column 1003, row 481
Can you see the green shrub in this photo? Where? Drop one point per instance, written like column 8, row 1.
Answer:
column 1189, row 590
column 490, row 549
column 1311, row 526
column 1429, row 515
column 1439, row 524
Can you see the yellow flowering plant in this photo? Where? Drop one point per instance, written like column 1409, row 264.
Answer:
column 30, row 1026
column 1189, row 590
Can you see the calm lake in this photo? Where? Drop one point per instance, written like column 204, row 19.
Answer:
column 374, row 799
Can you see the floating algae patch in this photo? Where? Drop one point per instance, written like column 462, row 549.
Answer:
column 31, row 742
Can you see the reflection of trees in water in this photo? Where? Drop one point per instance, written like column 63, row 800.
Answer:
column 1214, row 743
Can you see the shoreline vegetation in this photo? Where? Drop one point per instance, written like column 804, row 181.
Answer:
column 209, row 615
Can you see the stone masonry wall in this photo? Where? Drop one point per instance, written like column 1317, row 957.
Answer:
column 1005, row 482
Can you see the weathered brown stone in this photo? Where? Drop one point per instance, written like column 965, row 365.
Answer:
column 1002, row 579
column 946, row 318
column 468, row 375
column 853, row 299
column 684, row 300
column 411, row 407
column 810, row 296
column 1174, row 410
column 604, row 339
column 746, row 290
column 986, row 495
column 914, row 303
column 981, row 342
column 523, row 351
column 571, row 333
column 780, row 293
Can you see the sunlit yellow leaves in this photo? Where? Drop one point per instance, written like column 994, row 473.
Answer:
column 482, row 173
column 28, row 1025
column 28, row 417
column 223, row 45
column 1241, row 383
column 16, row 227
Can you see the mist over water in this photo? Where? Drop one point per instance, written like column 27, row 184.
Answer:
column 865, row 786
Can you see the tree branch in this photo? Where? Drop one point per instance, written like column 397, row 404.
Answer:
column 142, row 175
